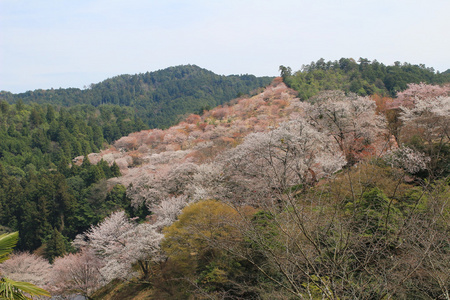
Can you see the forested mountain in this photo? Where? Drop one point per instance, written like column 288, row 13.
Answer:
column 335, row 196
column 158, row 98
column 42, row 131
column 363, row 77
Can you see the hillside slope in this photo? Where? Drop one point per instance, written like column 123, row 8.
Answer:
column 150, row 159
column 312, row 198
column 198, row 139
column 158, row 97
column 269, row 197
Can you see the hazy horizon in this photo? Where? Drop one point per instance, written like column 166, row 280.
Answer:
column 53, row 44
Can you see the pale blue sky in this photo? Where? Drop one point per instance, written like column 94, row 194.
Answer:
column 59, row 43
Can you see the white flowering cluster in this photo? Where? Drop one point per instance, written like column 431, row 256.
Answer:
column 27, row 267
column 313, row 144
column 351, row 120
column 120, row 243
column 429, row 120
column 77, row 273
column 408, row 159
column 292, row 154
column 436, row 106
column 169, row 209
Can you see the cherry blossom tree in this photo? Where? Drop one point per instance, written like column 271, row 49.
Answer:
column 102, row 237
column 141, row 247
column 425, row 107
column 128, row 142
column 415, row 91
column 193, row 119
column 169, row 209
column 208, row 182
column 426, row 126
column 147, row 190
column 27, row 267
column 9, row 288
column 293, row 155
column 77, row 273
column 408, row 159
column 351, row 120
column 121, row 243
column 179, row 177
column 410, row 99
column 169, row 181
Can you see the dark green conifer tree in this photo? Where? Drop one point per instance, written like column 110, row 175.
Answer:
column 115, row 171
column 55, row 246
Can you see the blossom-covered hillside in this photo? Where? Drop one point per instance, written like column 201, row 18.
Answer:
column 337, row 197
column 155, row 161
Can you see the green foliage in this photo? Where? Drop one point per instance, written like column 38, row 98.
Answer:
column 158, row 98
column 117, row 199
column 365, row 234
column 39, row 202
column 55, row 246
column 44, row 137
column 374, row 213
column 191, row 243
column 333, row 244
column 7, row 242
column 203, row 219
column 115, row 171
column 264, row 222
column 363, row 78
column 17, row 290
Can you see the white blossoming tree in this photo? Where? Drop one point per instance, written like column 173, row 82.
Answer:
column 170, row 181
column 121, row 244
column 270, row 164
column 426, row 127
column 351, row 121
column 77, row 273
column 27, row 267
column 408, row 159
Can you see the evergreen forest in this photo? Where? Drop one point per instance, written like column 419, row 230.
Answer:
column 363, row 77
column 157, row 98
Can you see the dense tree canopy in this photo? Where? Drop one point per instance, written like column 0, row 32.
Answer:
column 363, row 77
column 158, row 98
